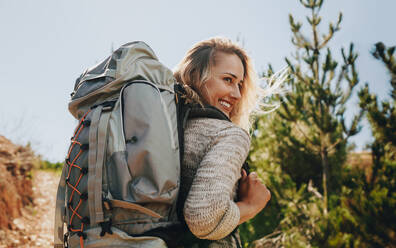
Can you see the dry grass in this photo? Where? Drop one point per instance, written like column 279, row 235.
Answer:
column 362, row 160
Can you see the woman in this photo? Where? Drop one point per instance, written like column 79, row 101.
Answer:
column 219, row 73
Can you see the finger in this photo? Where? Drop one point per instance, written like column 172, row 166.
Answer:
column 268, row 195
column 253, row 175
column 244, row 174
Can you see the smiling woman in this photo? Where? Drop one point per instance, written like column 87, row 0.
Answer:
column 196, row 70
column 223, row 89
column 217, row 72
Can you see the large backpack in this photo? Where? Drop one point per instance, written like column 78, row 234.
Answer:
column 122, row 169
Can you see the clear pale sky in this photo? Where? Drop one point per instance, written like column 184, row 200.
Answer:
column 45, row 45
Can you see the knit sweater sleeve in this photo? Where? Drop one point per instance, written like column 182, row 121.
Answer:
column 209, row 209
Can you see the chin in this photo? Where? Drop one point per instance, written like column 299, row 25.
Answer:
column 226, row 113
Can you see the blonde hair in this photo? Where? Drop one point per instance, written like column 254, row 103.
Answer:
column 195, row 69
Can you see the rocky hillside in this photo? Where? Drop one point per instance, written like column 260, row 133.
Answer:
column 27, row 198
column 16, row 163
column 35, row 228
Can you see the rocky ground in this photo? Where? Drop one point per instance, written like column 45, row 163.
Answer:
column 34, row 228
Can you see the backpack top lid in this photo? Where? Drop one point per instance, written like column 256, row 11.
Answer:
column 102, row 82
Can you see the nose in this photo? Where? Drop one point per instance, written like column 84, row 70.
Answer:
column 235, row 92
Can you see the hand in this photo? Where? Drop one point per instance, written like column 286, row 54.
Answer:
column 253, row 196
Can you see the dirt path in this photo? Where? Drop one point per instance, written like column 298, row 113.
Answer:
column 35, row 227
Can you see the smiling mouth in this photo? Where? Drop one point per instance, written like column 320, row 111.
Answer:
column 225, row 104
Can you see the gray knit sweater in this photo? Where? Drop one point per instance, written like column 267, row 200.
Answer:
column 213, row 156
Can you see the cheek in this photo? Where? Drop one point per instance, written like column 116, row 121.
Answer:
column 207, row 95
column 211, row 98
column 216, row 94
column 209, row 91
column 214, row 90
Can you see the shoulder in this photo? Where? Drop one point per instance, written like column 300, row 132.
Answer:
column 219, row 131
column 215, row 126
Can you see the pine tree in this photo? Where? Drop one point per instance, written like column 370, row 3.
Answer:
column 311, row 120
column 372, row 203
column 382, row 117
column 307, row 135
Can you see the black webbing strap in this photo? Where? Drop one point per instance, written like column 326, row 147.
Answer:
column 185, row 112
column 206, row 111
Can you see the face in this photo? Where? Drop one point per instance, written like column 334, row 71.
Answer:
column 223, row 89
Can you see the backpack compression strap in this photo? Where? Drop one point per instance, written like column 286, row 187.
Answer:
column 97, row 150
column 60, row 211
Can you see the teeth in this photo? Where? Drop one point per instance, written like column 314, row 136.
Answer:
column 225, row 104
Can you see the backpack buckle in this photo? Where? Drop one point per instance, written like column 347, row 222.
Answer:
column 107, row 108
column 66, row 240
column 107, row 204
column 106, row 227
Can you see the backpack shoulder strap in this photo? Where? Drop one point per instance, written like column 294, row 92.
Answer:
column 206, row 111
column 189, row 111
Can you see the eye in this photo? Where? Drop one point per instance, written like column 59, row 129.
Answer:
column 240, row 86
column 228, row 79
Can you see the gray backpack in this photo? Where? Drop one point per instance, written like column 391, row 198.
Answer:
column 120, row 180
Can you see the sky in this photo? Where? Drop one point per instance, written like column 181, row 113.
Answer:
column 46, row 44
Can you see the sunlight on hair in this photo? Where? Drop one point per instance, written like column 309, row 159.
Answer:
column 273, row 85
